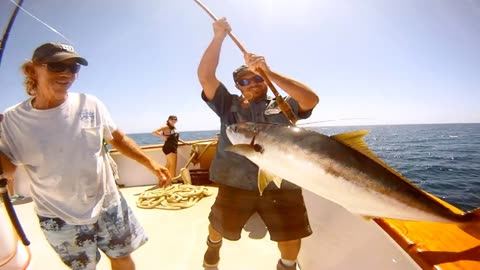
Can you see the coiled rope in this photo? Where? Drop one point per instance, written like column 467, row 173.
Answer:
column 173, row 197
column 177, row 196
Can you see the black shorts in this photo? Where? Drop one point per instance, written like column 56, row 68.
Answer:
column 282, row 210
column 169, row 149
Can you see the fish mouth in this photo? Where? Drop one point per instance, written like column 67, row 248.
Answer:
column 242, row 136
column 242, row 133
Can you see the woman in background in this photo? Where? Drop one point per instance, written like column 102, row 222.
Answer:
column 171, row 138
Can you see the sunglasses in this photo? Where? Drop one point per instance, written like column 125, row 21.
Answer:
column 245, row 82
column 61, row 67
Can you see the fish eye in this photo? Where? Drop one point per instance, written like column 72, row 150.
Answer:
column 258, row 148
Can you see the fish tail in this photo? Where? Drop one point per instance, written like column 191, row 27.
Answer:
column 472, row 223
column 473, row 216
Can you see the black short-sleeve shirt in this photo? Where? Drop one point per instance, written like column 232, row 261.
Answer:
column 232, row 169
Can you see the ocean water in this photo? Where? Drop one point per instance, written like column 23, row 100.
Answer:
column 442, row 159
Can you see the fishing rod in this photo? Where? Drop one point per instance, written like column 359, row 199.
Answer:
column 11, row 211
column 9, row 27
column 18, row 6
column 284, row 106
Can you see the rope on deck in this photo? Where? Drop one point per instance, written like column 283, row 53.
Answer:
column 173, row 197
column 194, row 158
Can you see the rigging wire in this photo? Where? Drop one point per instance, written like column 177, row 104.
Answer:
column 45, row 24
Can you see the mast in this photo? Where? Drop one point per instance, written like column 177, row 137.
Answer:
column 3, row 42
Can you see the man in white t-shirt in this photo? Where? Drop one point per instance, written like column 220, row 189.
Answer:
column 58, row 137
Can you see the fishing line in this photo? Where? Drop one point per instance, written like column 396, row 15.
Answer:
column 334, row 120
column 48, row 26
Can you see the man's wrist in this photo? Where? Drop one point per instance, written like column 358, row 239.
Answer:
column 219, row 37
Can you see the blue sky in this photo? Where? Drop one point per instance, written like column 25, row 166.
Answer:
column 387, row 61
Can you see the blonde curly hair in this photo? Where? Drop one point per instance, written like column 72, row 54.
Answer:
column 30, row 82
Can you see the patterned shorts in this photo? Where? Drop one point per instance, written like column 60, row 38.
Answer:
column 117, row 233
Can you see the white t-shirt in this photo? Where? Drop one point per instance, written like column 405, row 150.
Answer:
column 61, row 150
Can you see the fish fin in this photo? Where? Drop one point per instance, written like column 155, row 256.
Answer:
column 476, row 212
column 278, row 181
column 367, row 218
column 241, row 149
column 354, row 140
column 473, row 215
column 265, row 177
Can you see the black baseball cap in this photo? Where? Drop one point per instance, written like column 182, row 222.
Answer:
column 172, row 117
column 243, row 69
column 56, row 52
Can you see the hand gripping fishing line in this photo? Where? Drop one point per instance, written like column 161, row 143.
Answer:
column 284, row 106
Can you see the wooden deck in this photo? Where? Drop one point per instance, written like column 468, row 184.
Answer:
column 340, row 239
column 177, row 240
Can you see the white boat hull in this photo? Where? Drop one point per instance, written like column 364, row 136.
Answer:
column 133, row 174
column 13, row 255
column 342, row 240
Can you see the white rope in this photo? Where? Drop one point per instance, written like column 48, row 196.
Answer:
column 173, row 197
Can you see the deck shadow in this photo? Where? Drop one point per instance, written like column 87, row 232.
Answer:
column 439, row 257
column 256, row 227
column 22, row 201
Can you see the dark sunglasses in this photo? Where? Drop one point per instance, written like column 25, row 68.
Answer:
column 245, row 82
column 61, row 67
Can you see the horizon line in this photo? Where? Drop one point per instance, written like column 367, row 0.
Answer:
column 404, row 124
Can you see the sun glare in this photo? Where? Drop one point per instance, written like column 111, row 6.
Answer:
column 279, row 11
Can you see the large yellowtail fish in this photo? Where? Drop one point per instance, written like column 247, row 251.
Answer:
column 340, row 168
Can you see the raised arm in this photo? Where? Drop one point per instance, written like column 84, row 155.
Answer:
column 129, row 148
column 209, row 62
column 160, row 133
